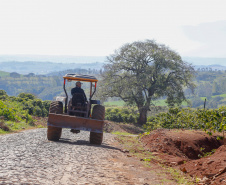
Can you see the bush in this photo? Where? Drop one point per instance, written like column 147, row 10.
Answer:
column 3, row 95
column 207, row 120
column 7, row 112
column 14, row 108
column 121, row 115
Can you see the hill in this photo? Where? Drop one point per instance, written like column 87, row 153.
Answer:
column 53, row 58
column 45, row 67
column 45, row 87
column 205, row 61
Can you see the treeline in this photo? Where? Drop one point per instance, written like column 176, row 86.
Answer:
column 210, row 85
column 44, row 87
column 77, row 71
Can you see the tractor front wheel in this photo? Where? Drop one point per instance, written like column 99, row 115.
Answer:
column 54, row 133
column 98, row 113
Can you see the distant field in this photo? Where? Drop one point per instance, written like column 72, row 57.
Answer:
column 121, row 103
column 203, row 98
column 221, row 95
column 2, row 73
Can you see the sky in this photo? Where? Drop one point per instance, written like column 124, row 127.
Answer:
column 193, row 28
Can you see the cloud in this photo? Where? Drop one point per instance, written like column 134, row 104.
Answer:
column 211, row 36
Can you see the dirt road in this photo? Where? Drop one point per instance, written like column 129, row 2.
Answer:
column 29, row 158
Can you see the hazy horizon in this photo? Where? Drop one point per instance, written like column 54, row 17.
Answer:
column 93, row 59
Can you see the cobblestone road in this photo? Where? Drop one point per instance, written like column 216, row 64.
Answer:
column 29, row 158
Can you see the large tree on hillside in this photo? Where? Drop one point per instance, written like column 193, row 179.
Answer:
column 141, row 72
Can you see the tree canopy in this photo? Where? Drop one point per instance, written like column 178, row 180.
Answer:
column 143, row 71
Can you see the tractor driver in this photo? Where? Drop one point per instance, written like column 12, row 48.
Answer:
column 78, row 89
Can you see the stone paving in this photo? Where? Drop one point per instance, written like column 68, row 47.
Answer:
column 29, row 158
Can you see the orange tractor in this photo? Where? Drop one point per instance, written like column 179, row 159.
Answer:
column 76, row 116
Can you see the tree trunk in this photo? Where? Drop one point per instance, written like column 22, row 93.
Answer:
column 143, row 116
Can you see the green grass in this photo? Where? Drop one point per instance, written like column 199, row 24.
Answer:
column 221, row 95
column 137, row 150
column 3, row 132
column 14, row 126
column 157, row 102
column 3, row 73
column 17, row 126
column 122, row 103
column 121, row 133
column 176, row 174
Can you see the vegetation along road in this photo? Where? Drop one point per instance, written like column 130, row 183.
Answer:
column 28, row 157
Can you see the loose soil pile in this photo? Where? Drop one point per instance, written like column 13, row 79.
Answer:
column 110, row 127
column 194, row 152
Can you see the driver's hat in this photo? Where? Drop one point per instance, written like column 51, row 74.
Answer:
column 78, row 83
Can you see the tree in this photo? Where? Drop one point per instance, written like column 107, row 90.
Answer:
column 14, row 75
column 3, row 95
column 26, row 96
column 141, row 72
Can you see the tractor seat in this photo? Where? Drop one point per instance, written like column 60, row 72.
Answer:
column 78, row 100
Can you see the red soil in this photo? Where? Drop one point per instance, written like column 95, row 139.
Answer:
column 188, row 150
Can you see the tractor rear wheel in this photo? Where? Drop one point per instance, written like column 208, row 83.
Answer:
column 98, row 113
column 54, row 133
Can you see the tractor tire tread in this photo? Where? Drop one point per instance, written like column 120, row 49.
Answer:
column 54, row 133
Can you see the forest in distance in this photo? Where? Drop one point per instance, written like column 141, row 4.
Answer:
column 210, row 84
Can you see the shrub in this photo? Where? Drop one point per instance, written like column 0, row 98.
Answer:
column 121, row 115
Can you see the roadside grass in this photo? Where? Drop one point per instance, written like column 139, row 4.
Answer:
column 121, row 133
column 7, row 127
column 3, row 132
column 134, row 148
column 15, row 126
column 176, row 174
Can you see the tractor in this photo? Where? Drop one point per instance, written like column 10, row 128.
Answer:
column 66, row 112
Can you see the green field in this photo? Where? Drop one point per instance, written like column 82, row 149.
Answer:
column 222, row 95
column 122, row 103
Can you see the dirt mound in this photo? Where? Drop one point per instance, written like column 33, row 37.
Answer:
column 194, row 152
column 121, row 127
column 209, row 168
column 185, row 144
